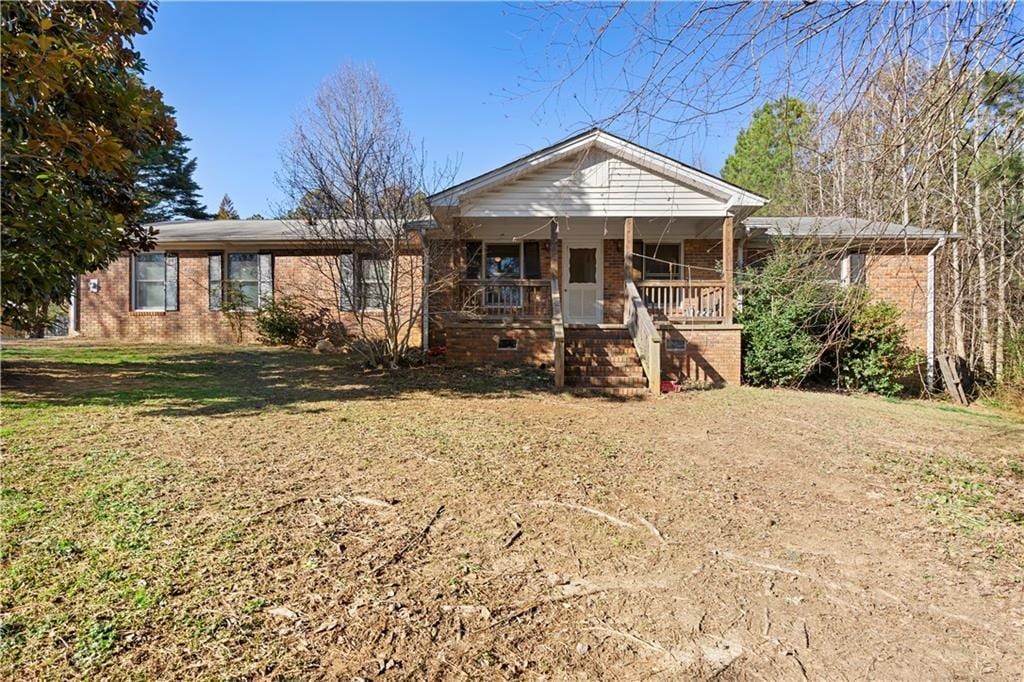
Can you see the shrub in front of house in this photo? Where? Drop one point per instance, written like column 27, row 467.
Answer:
column 875, row 357
column 285, row 321
column 781, row 343
column 798, row 326
column 279, row 321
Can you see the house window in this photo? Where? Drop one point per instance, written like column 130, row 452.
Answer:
column 662, row 261
column 504, row 261
column 365, row 282
column 155, row 282
column 250, row 278
column 845, row 270
column 244, row 275
column 855, row 269
column 376, row 274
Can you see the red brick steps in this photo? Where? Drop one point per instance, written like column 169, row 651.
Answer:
column 603, row 360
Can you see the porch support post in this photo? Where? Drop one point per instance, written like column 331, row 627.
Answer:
column 554, row 249
column 627, row 249
column 557, row 326
column 627, row 261
column 727, row 268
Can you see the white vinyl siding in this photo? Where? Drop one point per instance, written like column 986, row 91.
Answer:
column 578, row 188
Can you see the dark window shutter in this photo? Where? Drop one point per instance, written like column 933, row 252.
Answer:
column 266, row 265
column 474, row 259
column 531, row 260
column 347, row 285
column 216, row 270
column 171, row 281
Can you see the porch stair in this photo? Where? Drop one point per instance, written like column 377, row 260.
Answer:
column 603, row 360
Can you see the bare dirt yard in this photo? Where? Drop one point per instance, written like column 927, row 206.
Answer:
column 244, row 513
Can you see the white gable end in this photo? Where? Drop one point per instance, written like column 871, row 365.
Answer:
column 595, row 184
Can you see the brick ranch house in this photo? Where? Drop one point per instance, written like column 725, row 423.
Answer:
column 607, row 261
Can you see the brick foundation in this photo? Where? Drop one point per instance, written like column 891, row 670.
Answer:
column 477, row 344
column 712, row 353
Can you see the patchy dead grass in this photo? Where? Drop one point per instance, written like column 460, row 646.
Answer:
column 270, row 513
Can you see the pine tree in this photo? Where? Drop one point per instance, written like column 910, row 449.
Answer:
column 227, row 209
column 765, row 157
column 166, row 182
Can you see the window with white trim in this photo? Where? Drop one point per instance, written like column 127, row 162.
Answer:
column 154, row 282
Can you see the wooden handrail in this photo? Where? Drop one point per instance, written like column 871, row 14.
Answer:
column 558, row 329
column 645, row 335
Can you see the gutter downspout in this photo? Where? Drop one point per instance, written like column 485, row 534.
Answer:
column 930, row 373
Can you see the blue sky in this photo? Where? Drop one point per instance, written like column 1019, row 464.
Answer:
column 473, row 82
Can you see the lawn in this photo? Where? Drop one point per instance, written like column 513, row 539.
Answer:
column 254, row 512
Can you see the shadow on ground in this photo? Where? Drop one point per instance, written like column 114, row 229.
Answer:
column 212, row 382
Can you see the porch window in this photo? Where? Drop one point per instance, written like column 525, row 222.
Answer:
column 154, row 282
column 662, row 261
column 504, row 261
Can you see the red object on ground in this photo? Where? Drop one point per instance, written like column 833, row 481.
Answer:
column 437, row 350
column 669, row 387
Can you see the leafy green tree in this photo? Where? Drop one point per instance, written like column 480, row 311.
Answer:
column 227, row 209
column 77, row 117
column 256, row 216
column 166, row 182
column 766, row 156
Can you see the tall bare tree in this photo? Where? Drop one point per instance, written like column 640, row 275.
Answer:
column 358, row 181
column 919, row 108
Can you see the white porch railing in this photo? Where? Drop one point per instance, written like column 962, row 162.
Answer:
column 646, row 337
column 702, row 300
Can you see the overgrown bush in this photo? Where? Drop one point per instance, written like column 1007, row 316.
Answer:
column 285, row 321
column 797, row 327
column 780, row 307
column 279, row 321
column 875, row 357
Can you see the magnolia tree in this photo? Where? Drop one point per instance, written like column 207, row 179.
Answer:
column 358, row 183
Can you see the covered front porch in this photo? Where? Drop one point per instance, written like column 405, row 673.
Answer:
column 594, row 232
column 653, row 277
column 681, row 270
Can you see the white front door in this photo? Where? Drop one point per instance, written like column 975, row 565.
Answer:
column 582, row 282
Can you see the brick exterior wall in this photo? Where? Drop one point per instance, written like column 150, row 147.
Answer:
column 902, row 279
column 107, row 314
column 703, row 258
column 712, row 355
column 477, row 344
column 614, row 281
